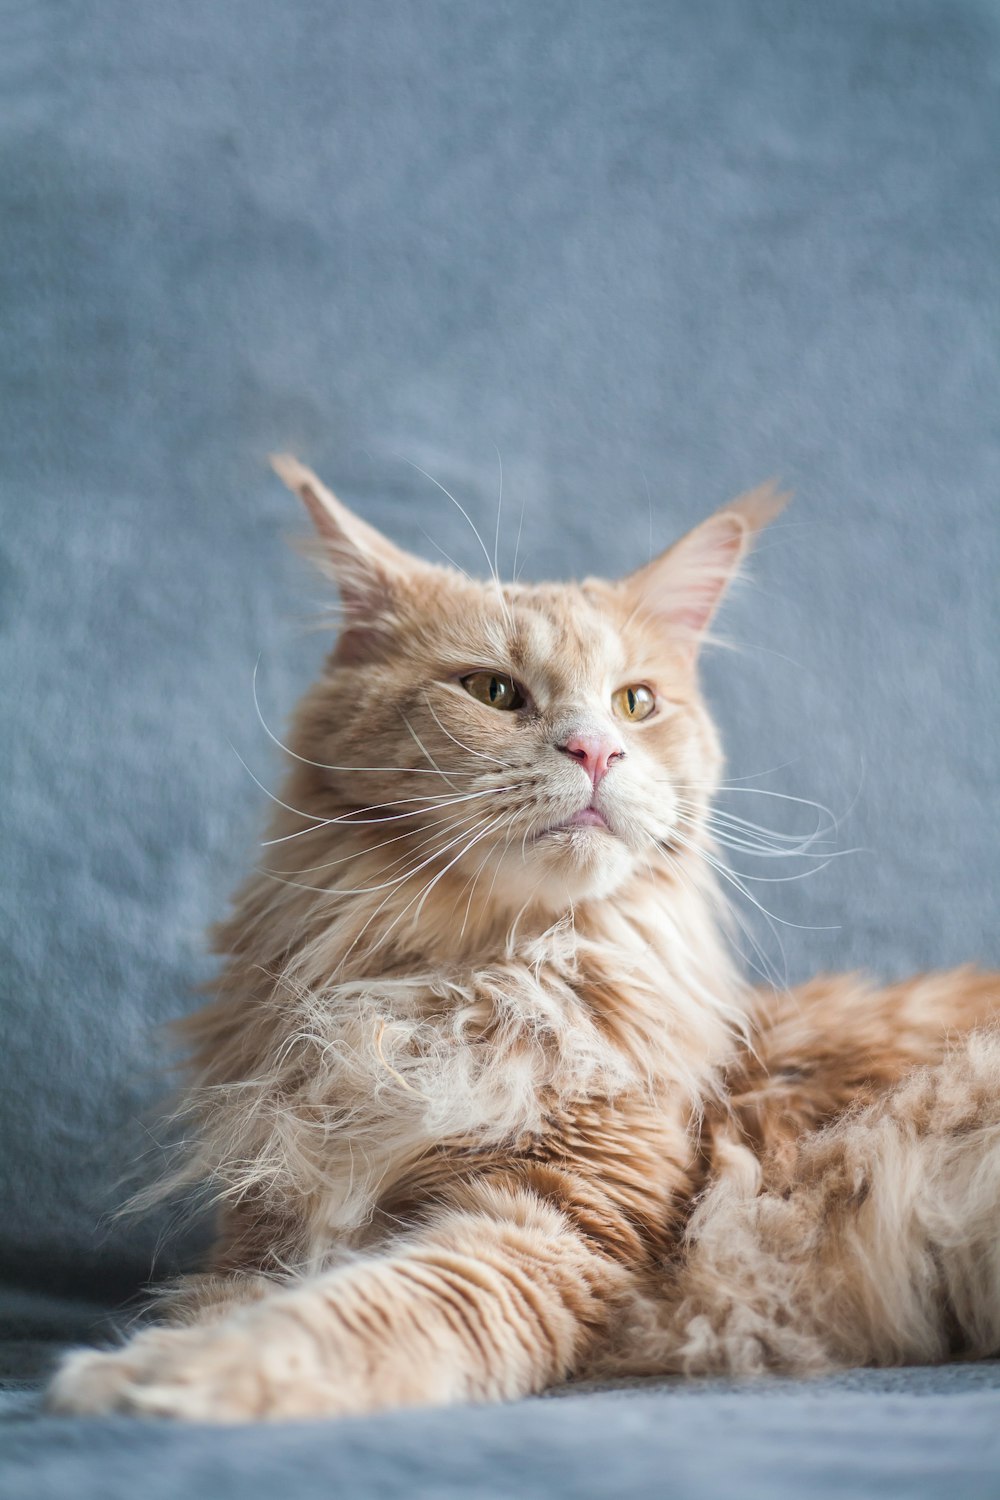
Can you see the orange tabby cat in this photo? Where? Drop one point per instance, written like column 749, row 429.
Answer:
column 478, row 1048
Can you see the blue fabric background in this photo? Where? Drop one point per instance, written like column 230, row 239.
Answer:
column 652, row 252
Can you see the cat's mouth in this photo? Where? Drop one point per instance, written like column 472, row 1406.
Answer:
column 586, row 817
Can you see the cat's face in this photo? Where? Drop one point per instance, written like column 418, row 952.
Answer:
column 545, row 741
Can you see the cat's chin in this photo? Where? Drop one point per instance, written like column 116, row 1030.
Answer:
column 566, row 865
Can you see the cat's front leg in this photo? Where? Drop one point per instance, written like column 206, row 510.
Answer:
column 492, row 1301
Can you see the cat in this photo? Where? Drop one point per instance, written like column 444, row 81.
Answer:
column 482, row 1098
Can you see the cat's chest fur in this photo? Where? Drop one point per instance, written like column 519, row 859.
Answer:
column 350, row 1098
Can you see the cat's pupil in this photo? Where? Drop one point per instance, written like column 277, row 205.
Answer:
column 631, row 701
column 495, row 690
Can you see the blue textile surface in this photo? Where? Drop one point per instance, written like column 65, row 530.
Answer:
column 879, row 1433
column 882, row 1433
column 651, row 253
column 629, row 1445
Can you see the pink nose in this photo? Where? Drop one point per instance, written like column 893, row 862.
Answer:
column 595, row 752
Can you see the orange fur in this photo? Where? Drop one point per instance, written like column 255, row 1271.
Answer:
column 472, row 1062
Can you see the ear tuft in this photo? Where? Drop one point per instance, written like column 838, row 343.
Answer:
column 760, row 506
column 318, row 500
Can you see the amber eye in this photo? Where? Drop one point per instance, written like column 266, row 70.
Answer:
column 633, row 703
column 494, row 690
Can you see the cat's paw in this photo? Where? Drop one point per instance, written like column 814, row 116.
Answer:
column 242, row 1369
column 204, row 1374
column 92, row 1382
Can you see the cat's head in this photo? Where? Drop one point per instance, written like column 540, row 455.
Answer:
column 545, row 740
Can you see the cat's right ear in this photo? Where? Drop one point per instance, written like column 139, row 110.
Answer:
column 366, row 567
column 682, row 588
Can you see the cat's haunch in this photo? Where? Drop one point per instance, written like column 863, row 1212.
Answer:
column 482, row 1098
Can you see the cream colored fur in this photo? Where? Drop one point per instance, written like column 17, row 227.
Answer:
column 482, row 1102
column 876, row 1243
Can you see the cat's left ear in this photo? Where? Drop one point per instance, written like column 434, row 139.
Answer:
column 362, row 562
column 368, row 569
column 683, row 587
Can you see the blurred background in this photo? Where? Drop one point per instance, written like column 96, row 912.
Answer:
column 644, row 256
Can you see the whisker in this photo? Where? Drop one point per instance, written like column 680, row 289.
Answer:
column 733, row 877
column 799, row 875
column 318, row 822
column 723, row 834
column 733, row 838
column 649, row 505
column 517, row 542
column 759, row 791
column 725, row 815
column 757, row 851
column 475, row 532
column 446, row 555
column 740, row 826
column 351, row 820
column 496, row 539
column 370, row 890
column 834, row 820
column 769, row 974
column 461, row 855
column 321, row 765
column 397, row 838
column 770, row 771
column 375, row 913
column 512, row 820
column 424, row 750
column 475, row 878
column 479, row 754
